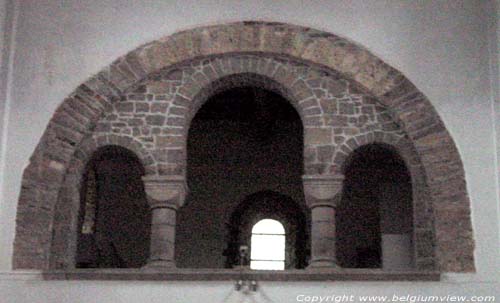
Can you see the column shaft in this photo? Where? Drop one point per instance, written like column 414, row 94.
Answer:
column 162, row 250
column 165, row 195
column 323, row 237
column 322, row 193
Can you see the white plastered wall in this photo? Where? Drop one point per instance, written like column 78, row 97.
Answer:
column 6, row 32
column 447, row 48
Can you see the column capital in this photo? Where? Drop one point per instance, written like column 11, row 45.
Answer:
column 165, row 191
column 322, row 189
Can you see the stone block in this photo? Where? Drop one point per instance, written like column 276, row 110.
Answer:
column 310, row 102
column 103, row 127
column 346, row 108
column 178, row 111
column 301, row 91
column 313, row 121
column 169, row 141
column 120, row 79
column 219, row 39
column 158, row 87
column 158, row 120
column 249, row 38
column 310, row 155
column 158, row 55
column 135, row 65
column 175, row 155
column 160, row 98
column 323, row 51
column 187, row 44
column 159, row 107
column 124, row 107
column 335, row 87
column 336, row 120
column 176, row 121
column 141, row 107
column 319, row 136
column 325, row 153
column 329, row 106
column 170, row 169
column 312, row 111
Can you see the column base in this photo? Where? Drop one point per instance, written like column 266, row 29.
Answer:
column 160, row 264
column 318, row 264
column 241, row 267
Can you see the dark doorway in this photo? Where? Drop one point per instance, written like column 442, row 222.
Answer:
column 269, row 205
column 242, row 141
column 376, row 207
column 114, row 218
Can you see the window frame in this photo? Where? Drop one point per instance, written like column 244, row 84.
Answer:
column 252, row 243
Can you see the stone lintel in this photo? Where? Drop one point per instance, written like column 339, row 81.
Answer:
column 159, row 265
column 214, row 274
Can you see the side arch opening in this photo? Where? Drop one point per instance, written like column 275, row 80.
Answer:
column 375, row 215
column 114, row 218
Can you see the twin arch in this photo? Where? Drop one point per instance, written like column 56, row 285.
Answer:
column 297, row 60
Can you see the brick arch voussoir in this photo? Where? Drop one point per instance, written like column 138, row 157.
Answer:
column 72, row 121
column 399, row 143
column 93, row 143
column 287, row 84
column 307, row 44
column 44, row 175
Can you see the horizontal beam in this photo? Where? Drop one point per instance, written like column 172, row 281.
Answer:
column 246, row 274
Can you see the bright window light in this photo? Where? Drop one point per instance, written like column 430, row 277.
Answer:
column 268, row 245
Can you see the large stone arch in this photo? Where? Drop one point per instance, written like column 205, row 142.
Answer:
column 77, row 116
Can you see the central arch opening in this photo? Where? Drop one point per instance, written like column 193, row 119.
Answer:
column 242, row 141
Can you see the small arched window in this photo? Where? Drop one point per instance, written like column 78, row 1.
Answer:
column 268, row 245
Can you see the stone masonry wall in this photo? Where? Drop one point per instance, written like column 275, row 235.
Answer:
column 334, row 112
column 157, row 114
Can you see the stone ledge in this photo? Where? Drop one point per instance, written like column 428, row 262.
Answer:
column 228, row 274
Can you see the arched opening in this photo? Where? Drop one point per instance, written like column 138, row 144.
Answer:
column 375, row 216
column 242, row 141
column 114, row 219
column 267, row 248
column 268, row 205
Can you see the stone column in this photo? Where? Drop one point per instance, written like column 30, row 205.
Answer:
column 322, row 193
column 165, row 195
